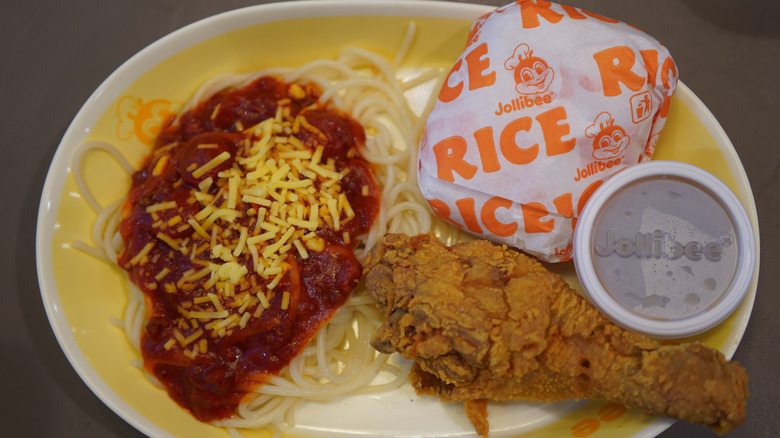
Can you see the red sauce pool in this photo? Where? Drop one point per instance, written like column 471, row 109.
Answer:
column 211, row 384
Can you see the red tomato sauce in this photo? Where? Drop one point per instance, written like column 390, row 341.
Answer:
column 211, row 383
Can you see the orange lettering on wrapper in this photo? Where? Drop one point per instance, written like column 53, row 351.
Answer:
column 447, row 93
column 533, row 212
column 535, row 215
column 508, row 144
column 553, row 131
column 565, row 207
column 615, row 67
column 449, row 155
column 450, row 152
column 650, row 57
column 487, row 149
column 531, row 11
column 554, row 128
column 488, row 217
column 442, row 210
column 572, row 12
column 523, row 102
column 469, row 214
column 666, row 68
column 477, row 63
column 664, row 111
column 586, row 194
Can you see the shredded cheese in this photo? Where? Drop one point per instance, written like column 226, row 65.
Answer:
column 142, row 254
column 161, row 206
column 212, row 164
column 249, row 218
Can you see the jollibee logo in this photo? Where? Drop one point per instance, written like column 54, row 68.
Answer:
column 609, row 140
column 532, row 74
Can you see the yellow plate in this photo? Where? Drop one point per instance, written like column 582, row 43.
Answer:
column 81, row 294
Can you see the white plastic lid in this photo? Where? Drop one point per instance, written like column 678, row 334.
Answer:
column 664, row 249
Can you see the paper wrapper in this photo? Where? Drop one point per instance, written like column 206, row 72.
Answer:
column 546, row 102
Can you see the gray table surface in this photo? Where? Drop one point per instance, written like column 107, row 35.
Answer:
column 54, row 54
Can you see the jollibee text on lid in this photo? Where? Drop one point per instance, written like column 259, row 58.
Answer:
column 665, row 248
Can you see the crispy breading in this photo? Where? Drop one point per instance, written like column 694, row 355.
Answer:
column 483, row 322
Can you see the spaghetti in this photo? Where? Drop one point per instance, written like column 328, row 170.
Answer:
column 338, row 360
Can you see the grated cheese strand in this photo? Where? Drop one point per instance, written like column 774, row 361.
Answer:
column 250, row 218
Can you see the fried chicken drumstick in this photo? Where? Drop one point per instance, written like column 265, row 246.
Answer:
column 483, row 322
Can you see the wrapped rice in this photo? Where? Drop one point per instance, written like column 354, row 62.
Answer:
column 544, row 104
